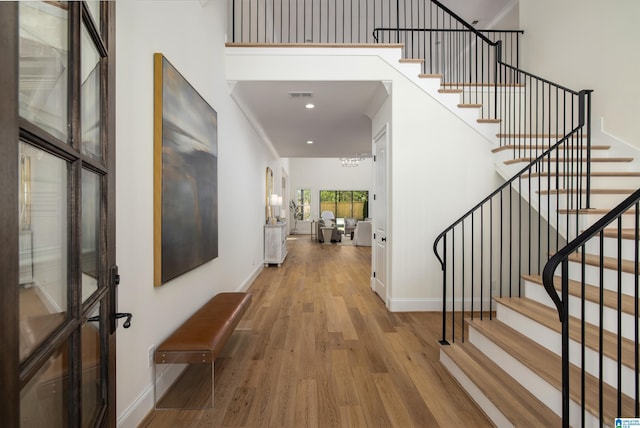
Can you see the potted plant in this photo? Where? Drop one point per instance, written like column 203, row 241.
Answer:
column 296, row 213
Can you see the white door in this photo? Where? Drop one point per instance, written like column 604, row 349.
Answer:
column 380, row 215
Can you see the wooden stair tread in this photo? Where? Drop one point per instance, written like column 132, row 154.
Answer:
column 412, row 60
column 584, row 174
column 595, row 211
column 537, row 136
column 516, row 403
column 489, row 120
column 591, row 293
column 593, row 191
column 548, row 366
column 627, row 266
column 484, row 84
column 315, row 45
column 430, row 76
column 469, row 105
column 450, row 91
column 540, row 147
column 554, row 159
column 548, row 317
column 626, row 233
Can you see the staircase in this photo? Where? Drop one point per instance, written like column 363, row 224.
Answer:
column 540, row 278
column 508, row 354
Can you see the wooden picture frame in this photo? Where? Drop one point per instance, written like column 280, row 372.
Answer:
column 185, row 175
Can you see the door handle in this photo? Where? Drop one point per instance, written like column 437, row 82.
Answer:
column 383, row 239
column 127, row 322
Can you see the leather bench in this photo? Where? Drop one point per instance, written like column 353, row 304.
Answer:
column 202, row 336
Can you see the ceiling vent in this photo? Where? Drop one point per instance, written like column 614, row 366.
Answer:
column 300, row 94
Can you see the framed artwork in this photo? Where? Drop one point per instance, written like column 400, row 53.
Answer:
column 185, row 181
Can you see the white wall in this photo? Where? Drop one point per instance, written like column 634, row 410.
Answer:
column 191, row 36
column 507, row 19
column 326, row 174
column 588, row 44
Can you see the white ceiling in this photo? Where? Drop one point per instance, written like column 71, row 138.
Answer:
column 339, row 124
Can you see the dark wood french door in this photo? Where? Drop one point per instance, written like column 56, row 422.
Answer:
column 57, row 214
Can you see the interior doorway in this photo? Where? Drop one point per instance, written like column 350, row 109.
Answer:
column 379, row 253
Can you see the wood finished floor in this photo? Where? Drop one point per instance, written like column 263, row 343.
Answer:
column 321, row 350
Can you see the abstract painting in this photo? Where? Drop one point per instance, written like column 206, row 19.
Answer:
column 185, row 175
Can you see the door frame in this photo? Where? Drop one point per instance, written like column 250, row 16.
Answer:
column 109, row 11
column 9, row 135
column 383, row 132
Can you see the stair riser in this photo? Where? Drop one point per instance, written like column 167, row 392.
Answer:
column 545, row 392
column 532, row 148
column 553, row 201
column 587, row 220
column 475, row 393
column 595, row 167
column 610, row 277
column 552, row 340
column 610, row 246
column 596, row 182
column 592, row 310
column 597, row 200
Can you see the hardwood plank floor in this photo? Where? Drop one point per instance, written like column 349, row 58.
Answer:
column 318, row 348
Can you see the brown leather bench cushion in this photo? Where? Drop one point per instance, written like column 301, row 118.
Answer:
column 201, row 337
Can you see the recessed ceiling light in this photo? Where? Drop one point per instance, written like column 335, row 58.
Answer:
column 309, row 106
column 309, row 142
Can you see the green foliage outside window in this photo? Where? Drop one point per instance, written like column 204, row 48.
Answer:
column 301, row 207
column 345, row 203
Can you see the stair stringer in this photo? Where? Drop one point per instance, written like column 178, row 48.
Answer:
column 433, row 85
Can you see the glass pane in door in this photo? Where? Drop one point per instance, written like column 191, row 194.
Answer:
column 90, row 97
column 44, row 400
column 92, row 391
column 43, row 65
column 43, row 245
column 90, row 236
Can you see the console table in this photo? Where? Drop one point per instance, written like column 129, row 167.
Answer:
column 275, row 243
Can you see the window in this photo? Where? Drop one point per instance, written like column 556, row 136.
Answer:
column 345, row 203
column 302, row 208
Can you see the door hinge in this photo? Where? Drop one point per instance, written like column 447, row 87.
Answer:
column 374, row 196
column 374, row 274
column 114, row 280
column 374, row 158
column 374, row 236
column 115, row 276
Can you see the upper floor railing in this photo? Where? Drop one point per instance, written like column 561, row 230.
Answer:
column 423, row 26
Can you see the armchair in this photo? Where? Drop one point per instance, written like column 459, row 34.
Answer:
column 363, row 233
column 350, row 226
column 327, row 221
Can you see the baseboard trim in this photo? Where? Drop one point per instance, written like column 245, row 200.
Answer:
column 244, row 285
column 138, row 410
column 144, row 403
